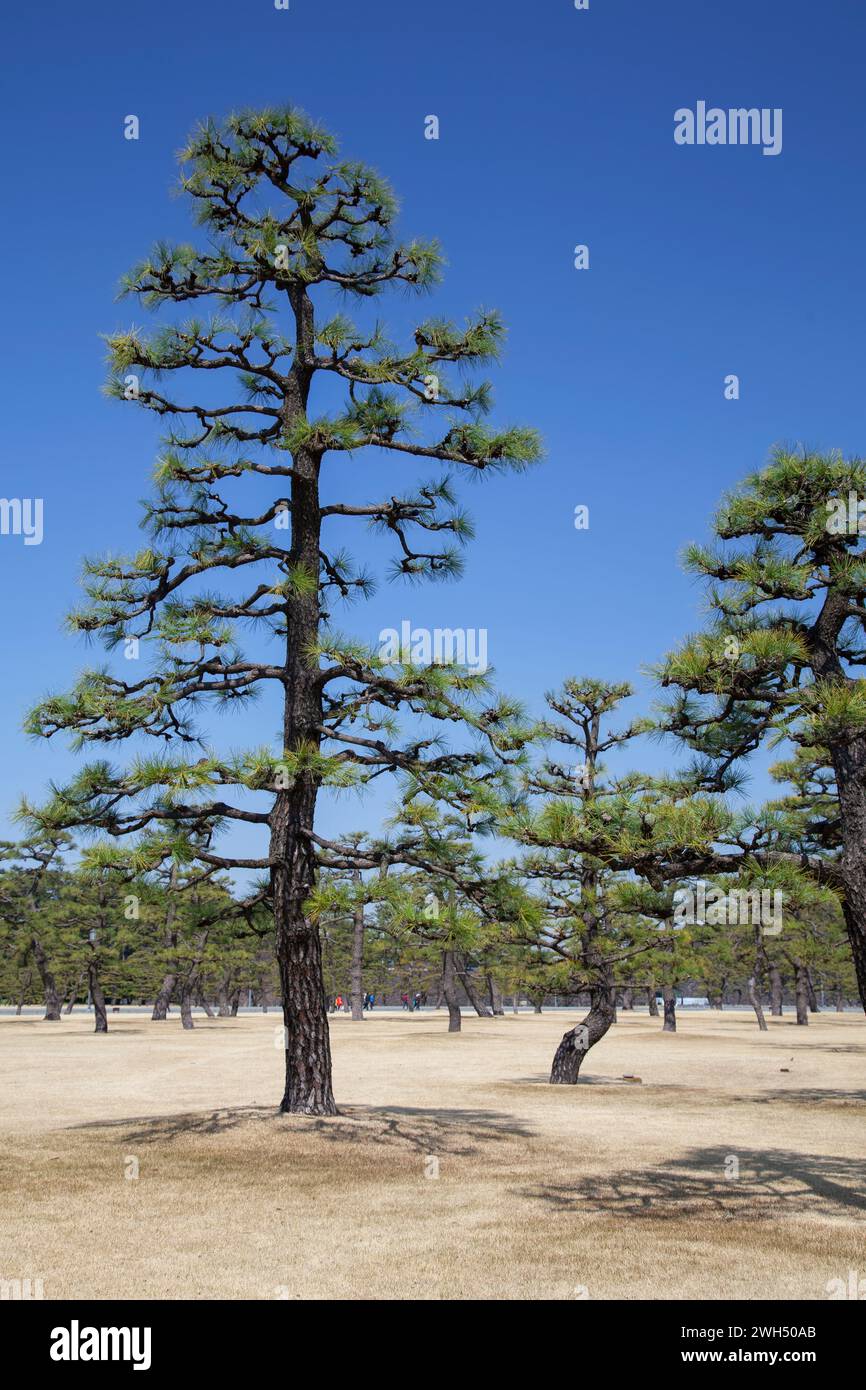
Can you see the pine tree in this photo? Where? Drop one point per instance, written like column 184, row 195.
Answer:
column 782, row 654
column 243, row 494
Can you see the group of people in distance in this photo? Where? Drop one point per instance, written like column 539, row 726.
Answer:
column 344, row 1005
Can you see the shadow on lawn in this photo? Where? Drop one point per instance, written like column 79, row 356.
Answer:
column 458, row 1132
column 807, row 1095
column 771, row 1183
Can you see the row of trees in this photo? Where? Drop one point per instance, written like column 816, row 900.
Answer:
column 70, row 935
column 257, row 479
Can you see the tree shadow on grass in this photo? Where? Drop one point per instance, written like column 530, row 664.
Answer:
column 770, row 1183
column 442, row 1131
column 805, row 1095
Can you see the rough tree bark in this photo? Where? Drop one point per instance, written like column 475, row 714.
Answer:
column 186, row 1005
column 49, row 984
column 669, row 997
column 775, row 991
column 449, row 989
column 473, row 996
column 577, row 1042
column 73, row 993
column 801, row 993
column 293, row 867
column 97, row 998
column 495, row 994
column 755, row 1001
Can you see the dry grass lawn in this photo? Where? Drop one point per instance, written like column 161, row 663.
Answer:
column 612, row 1188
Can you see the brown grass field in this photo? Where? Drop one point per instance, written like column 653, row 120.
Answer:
column 606, row 1190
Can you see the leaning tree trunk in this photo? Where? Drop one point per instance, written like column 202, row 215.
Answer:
column 163, row 999
column 449, row 989
column 49, row 984
column 775, row 991
column 475, row 1000
column 97, row 998
column 577, row 1042
column 813, row 998
column 801, row 993
column 755, row 1001
column 669, row 997
column 236, row 1002
column 204, row 1004
column 356, row 973
column 73, row 993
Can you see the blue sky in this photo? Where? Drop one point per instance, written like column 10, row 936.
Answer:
column 556, row 128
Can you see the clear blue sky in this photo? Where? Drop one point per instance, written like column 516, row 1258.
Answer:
column 556, row 129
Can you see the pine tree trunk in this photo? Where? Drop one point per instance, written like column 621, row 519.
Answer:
column 775, row 991
column 186, row 1005
column 166, row 990
column 73, row 993
column 495, row 994
column 204, row 1004
column 97, row 998
column 236, row 1001
column 849, row 765
column 628, row 1000
column 163, row 999
column 449, row 989
column 515, row 1003
column 577, row 1042
column 755, row 1001
column 670, row 1006
column 224, row 1010
column 357, row 968
column 813, row 998
column 652, row 1002
column 298, row 945
column 49, row 984
column 801, row 993
column 475, row 1000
